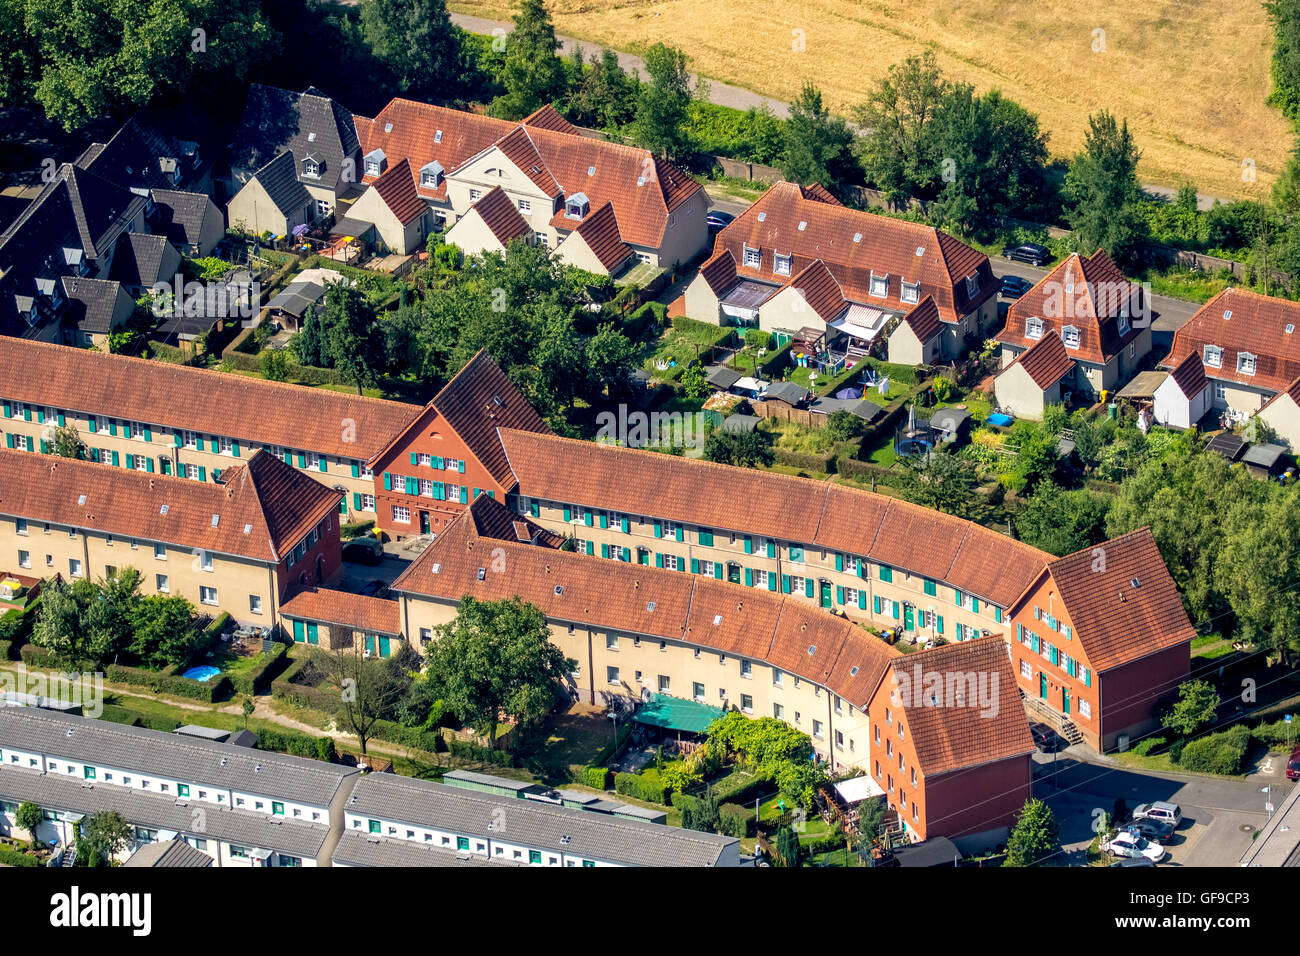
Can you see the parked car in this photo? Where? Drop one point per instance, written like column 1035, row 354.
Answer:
column 1030, row 252
column 1293, row 765
column 1013, row 287
column 1156, row 831
column 1137, row 861
column 1046, row 739
column 1159, row 810
column 374, row 589
column 719, row 220
column 1131, row 846
column 364, row 550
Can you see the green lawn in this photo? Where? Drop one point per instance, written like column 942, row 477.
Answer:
column 682, row 342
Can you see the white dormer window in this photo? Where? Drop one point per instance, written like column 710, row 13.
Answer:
column 1245, row 363
column 781, row 265
column 911, row 292
column 375, row 162
column 577, row 206
column 431, row 175
column 311, row 168
column 1034, row 328
column 1070, row 336
column 753, row 258
column 1213, row 356
column 879, row 285
column 972, row 285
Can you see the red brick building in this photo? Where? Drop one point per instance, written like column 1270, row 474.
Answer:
column 450, row 453
column 1101, row 640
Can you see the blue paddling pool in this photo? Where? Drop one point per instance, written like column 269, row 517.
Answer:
column 204, row 673
column 1002, row 421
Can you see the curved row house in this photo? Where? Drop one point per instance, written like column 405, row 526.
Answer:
column 176, row 420
column 1101, row 319
column 799, row 264
column 1239, row 354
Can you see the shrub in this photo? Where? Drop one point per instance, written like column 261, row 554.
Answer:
column 804, row 461
column 356, row 529
column 325, row 749
column 596, row 777
column 414, row 737
column 652, row 788
column 470, row 751
column 120, row 715
column 757, row 339
column 34, row 656
column 1220, row 753
column 1148, row 745
column 1277, row 734
column 1176, row 751
column 269, row 664
column 11, row 857
column 734, row 820
column 628, row 784
column 161, row 682
column 287, row 742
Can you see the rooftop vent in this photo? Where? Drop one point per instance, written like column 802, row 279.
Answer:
column 163, row 510
column 496, row 400
column 257, row 769
column 640, row 180
column 388, row 127
column 566, row 839
column 857, row 237
column 1135, row 582
column 437, row 137
column 248, row 529
column 70, row 732
column 311, row 137
column 559, row 589
column 1290, row 328
column 223, row 761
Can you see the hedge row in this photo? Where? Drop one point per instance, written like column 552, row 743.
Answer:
column 269, row 664
column 301, row 374
column 596, row 777
column 805, row 461
column 34, row 656
column 290, row 742
column 775, row 363
column 865, row 471
column 1220, row 753
column 133, row 718
column 639, row 322
column 740, row 788
column 6, row 650
column 469, row 751
column 414, row 737
column 304, row 695
column 641, row 786
column 11, row 857
column 735, row 820
column 160, row 682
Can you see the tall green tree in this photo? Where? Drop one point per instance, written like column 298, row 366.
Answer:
column 661, row 107
column 58, row 627
column 533, row 75
column 1285, row 17
column 1194, row 709
column 816, row 144
column 607, row 96
column 417, row 41
column 1035, row 836
column 163, row 628
column 900, row 148
column 68, row 444
column 496, row 658
column 1102, row 190
column 940, row 481
column 29, row 816
column 1258, row 567
column 1061, row 521
column 109, row 619
column 367, row 688
column 353, row 338
column 101, row 836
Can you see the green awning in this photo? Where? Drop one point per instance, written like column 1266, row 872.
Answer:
column 673, row 713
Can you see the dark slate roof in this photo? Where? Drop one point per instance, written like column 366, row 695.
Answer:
column 367, row 849
column 720, row 376
column 788, row 392
column 534, row 823
column 1228, row 445
column 1263, row 456
column 297, row 297
column 279, row 178
column 169, row 853
column 142, row 155
column 169, row 755
column 305, row 124
column 92, row 303
column 181, row 216
column 144, row 260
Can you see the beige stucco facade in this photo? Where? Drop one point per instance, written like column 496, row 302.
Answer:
column 393, row 234
column 252, row 210
column 471, row 235
column 1283, row 416
column 1019, row 395
column 906, row 349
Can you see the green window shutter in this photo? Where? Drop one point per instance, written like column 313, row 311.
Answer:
column 198, row 441
column 681, row 533
column 785, row 584
column 875, row 602
column 356, row 469
column 9, row 440
column 1033, row 643
column 40, row 416
column 809, row 587
column 862, row 599
column 862, row 569
column 591, row 547
column 177, row 440
column 370, row 643
column 8, row 410
column 956, row 597
column 659, row 560
column 706, row 538
column 975, row 605
column 384, row 647
column 771, row 549
column 323, row 464
column 166, row 465
column 414, row 459
column 148, row 433
column 568, row 513
column 302, row 460
column 94, row 425
column 1056, row 657
column 839, row 563
column 299, row 632
column 695, row 566
column 148, row 465
column 749, row 545
column 288, row 458
column 587, row 517
column 356, row 501
column 1087, row 677
column 203, row 472
column 31, row 446
column 440, row 490
column 604, row 519
column 1020, row 636
column 938, row 624
column 997, row 614
column 412, row 486
column 625, row 523
column 534, row 509
column 464, row 495
column 717, row 570
column 749, row 577
column 27, row 414
column 659, row 528
column 462, row 466
column 771, row 580
column 931, row 588
column 388, row 482
column 63, row 422
column 897, row 608
column 604, row 551
column 839, row 594
column 45, row 447
column 1069, row 633
column 115, row 462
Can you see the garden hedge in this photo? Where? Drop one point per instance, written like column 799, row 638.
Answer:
column 805, row 461
column 735, row 820
column 469, row 751
column 211, row 691
column 1220, row 753
column 269, row 664
column 596, row 777
column 287, row 742
column 11, row 857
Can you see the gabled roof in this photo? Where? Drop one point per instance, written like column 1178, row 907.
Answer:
column 263, row 509
column 547, row 117
column 728, row 618
column 1089, row 294
column 985, row 726
column 720, row 272
column 169, row 853
column 359, row 611
column 145, row 260
column 477, row 402
column 1292, row 392
column 1189, row 375
column 924, row 320
column 279, row 178
column 1046, row 361
column 277, row 121
column 1238, row 320
column 396, row 187
column 499, row 214
column 819, row 290
column 94, row 303
column 837, row 517
column 1124, row 608
column 807, row 224
column 142, row 155
column 253, row 411
column 600, row 232
column 182, row 216
column 518, row 147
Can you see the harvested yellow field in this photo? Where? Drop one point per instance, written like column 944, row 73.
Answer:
column 1190, row 76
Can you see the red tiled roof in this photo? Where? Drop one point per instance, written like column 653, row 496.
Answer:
column 1258, row 326
column 983, row 725
column 252, row 411
column 498, row 212
column 820, row 291
column 263, row 508
column 1088, row 294
column 600, row 232
column 924, row 320
column 720, row 272
column 597, row 592
column 396, row 187
column 887, row 246
column 1046, row 361
column 1292, row 391
column 359, row 611
column 1189, row 375
column 549, row 118
column 839, row 517
column 518, row 147
column 819, row 192
column 1124, row 608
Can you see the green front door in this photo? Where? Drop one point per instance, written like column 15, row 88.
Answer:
column 909, row 618
column 826, row 593
column 299, row 631
column 733, row 573
column 1065, row 700
column 1042, row 686
column 313, row 633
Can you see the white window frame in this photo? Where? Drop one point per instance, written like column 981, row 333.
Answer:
column 1247, row 362
column 881, row 291
column 1070, row 336
column 751, row 258
column 525, row 206
column 1212, row 355
column 161, row 584
column 367, row 502
column 1033, row 327
column 401, row 514
column 208, row 595
column 911, row 292
column 782, row 264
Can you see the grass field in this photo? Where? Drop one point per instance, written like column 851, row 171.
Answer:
column 1191, row 76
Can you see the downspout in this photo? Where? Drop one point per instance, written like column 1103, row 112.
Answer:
column 591, row 672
